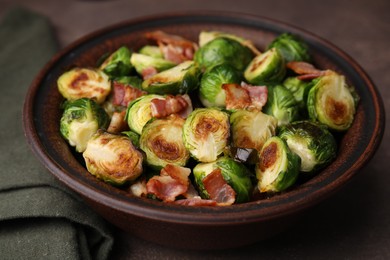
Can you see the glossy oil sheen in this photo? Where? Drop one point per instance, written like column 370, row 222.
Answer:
column 198, row 227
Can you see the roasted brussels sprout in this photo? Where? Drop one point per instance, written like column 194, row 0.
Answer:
column 133, row 81
column 118, row 63
column 80, row 120
column 312, row 142
column 331, row 102
column 251, row 129
column 278, row 166
column 300, row 89
column 113, row 158
column 151, row 50
column 84, row 83
column 133, row 136
column 139, row 112
column 234, row 173
column 180, row 79
column 281, row 104
column 211, row 93
column 206, row 133
column 207, row 36
column 223, row 50
column 162, row 141
column 291, row 47
column 142, row 62
column 266, row 68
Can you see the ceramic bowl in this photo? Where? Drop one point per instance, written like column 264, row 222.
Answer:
column 198, row 227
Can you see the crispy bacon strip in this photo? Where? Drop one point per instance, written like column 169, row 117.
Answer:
column 245, row 96
column 118, row 123
column 172, row 182
column 124, row 94
column 174, row 48
column 196, row 202
column 305, row 70
column 148, row 72
column 171, row 105
column 218, row 189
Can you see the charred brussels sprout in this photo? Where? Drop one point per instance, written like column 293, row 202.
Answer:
column 118, row 63
column 251, row 129
column 152, row 51
column 300, row 90
column 331, row 102
column 113, row 158
column 206, row 133
column 266, row 68
column 133, row 136
column 234, row 173
column 80, row 120
column 210, row 92
column 278, row 166
column 223, row 50
column 84, row 83
column 282, row 105
column 133, row 81
column 161, row 140
column 180, row 79
column 291, row 47
column 142, row 62
column 312, row 142
column 207, row 36
column 139, row 112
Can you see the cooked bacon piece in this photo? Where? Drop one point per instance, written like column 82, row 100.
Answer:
column 174, row 48
column 196, row 202
column 118, row 123
column 170, row 105
column 139, row 187
column 218, row 189
column 172, row 182
column 245, row 96
column 149, row 72
column 306, row 70
column 124, row 94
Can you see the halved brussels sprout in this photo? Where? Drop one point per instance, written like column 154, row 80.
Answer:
column 300, row 90
column 142, row 62
column 151, row 50
column 139, row 112
column 118, row 63
column 133, row 136
column 223, row 50
column 84, row 83
column 331, row 102
column 282, row 105
column 278, row 166
column 266, row 68
column 312, row 142
column 180, row 79
column 234, row 173
column 291, row 47
column 133, row 81
column 207, row 36
column 113, row 158
column 211, row 93
column 162, row 141
column 251, row 129
column 80, row 120
column 206, row 133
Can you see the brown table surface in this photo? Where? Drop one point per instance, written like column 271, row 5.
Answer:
column 354, row 223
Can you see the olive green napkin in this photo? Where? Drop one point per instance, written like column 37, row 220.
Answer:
column 39, row 218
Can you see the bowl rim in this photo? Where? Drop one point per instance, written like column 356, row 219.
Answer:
column 145, row 208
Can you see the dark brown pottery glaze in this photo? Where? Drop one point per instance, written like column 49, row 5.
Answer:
column 198, row 227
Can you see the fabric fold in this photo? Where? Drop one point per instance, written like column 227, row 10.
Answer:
column 39, row 217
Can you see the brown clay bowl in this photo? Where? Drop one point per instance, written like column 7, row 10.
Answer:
column 198, row 227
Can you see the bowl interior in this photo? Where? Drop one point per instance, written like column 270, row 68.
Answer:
column 42, row 113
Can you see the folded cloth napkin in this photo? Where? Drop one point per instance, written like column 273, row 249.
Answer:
column 39, row 218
